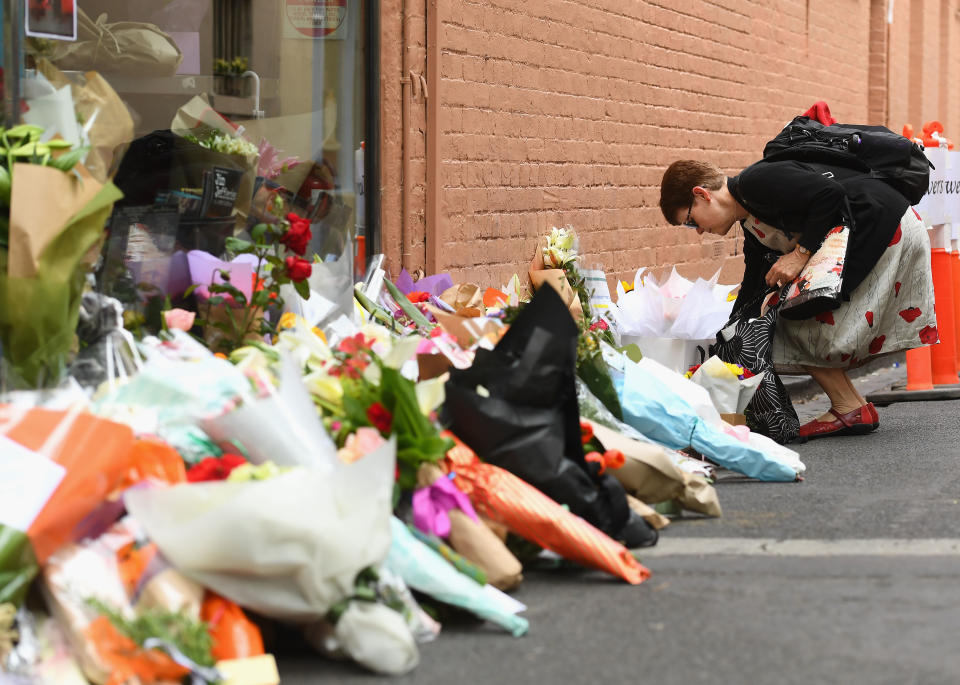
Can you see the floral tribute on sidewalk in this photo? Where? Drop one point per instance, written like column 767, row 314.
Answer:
column 209, row 432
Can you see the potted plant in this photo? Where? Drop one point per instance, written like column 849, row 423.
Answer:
column 228, row 76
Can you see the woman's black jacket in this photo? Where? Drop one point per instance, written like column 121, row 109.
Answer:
column 807, row 200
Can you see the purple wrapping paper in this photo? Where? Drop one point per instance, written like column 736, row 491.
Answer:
column 205, row 268
column 433, row 285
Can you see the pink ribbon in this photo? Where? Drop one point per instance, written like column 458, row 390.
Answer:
column 431, row 507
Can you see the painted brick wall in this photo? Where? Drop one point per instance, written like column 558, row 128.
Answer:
column 557, row 112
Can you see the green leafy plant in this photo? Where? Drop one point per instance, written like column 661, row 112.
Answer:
column 231, row 67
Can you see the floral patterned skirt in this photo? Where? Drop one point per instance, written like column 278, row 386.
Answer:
column 892, row 310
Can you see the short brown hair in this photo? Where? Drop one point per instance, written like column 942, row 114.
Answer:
column 679, row 180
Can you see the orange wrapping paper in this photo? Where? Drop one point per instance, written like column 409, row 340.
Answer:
column 127, row 661
column 503, row 497
column 96, row 454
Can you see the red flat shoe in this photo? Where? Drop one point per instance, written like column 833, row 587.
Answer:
column 874, row 416
column 857, row 422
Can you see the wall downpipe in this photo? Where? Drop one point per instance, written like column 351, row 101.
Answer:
column 433, row 235
column 406, row 96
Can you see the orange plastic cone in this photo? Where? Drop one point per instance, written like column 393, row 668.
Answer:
column 919, row 375
column 943, row 357
column 956, row 302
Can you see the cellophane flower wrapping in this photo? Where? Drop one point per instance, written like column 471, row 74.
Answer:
column 282, row 427
column 729, row 392
column 426, row 571
column 526, row 418
column 659, row 318
column 42, row 276
column 506, row 499
column 656, row 409
column 289, row 547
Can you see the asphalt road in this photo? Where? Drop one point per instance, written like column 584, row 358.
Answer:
column 852, row 576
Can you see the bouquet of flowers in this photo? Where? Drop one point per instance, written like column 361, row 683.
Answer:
column 51, row 213
column 731, row 386
column 275, row 251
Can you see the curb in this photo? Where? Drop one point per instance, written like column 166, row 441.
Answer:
column 804, row 387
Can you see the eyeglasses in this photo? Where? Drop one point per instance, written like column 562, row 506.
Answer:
column 688, row 222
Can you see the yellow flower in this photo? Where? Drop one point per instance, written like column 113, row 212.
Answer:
column 288, row 320
column 627, row 287
column 317, row 332
column 735, row 369
column 323, row 386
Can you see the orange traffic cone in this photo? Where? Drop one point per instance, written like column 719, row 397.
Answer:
column 943, row 357
column 956, row 302
column 919, row 375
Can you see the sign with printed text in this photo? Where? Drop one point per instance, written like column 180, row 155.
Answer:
column 941, row 204
column 315, row 19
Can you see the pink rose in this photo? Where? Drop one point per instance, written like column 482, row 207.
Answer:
column 179, row 319
column 360, row 444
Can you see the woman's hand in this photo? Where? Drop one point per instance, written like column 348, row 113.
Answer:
column 786, row 268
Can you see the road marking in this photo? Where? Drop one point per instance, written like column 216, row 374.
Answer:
column 771, row 547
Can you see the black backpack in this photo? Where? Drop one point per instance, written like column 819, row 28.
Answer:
column 875, row 150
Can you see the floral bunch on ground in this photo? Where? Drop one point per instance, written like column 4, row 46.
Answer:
column 279, row 248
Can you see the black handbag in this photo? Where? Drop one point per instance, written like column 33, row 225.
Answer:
column 747, row 341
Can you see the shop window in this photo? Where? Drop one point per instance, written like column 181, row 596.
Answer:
column 283, row 82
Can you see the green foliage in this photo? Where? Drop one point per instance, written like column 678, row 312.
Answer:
column 21, row 144
column 418, row 440
column 408, row 307
column 189, row 636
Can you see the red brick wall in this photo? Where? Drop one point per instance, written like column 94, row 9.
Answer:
column 556, row 112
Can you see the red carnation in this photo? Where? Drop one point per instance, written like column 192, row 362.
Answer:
column 876, row 344
column 213, row 468
column 418, row 296
column 298, row 269
column 380, row 417
column 298, row 235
